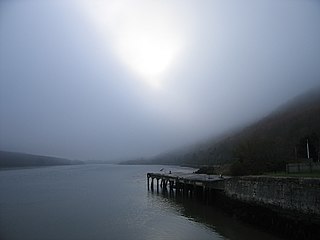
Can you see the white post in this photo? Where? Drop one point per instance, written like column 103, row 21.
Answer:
column 319, row 152
column 308, row 149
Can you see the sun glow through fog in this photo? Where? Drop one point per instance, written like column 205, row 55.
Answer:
column 144, row 34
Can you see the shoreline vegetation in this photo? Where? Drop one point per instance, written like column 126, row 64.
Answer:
column 225, row 170
column 314, row 174
column 14, row 160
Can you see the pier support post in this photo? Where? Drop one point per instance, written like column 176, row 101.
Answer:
column 185, row 193
column 152, row 184
column 157, row 184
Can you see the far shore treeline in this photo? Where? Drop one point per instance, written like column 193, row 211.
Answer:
column 265, row 146
column 14, row 160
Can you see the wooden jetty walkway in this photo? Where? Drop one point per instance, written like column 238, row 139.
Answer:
column 186, row 183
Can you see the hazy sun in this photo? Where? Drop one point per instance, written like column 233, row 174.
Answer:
column 143, row 34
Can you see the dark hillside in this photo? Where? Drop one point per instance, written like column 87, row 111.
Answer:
column 281, row 137
column 14, row 159
column 265, row 145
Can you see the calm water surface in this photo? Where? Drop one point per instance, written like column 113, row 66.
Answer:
column 105, row 202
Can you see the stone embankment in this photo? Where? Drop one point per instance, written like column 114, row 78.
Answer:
column 289, row 206
column 296, row 194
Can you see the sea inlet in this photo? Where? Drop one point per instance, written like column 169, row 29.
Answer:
column 102, row 201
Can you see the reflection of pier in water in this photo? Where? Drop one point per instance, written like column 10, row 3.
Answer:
column 186, row 184
column 181, row 189
column 210, row 216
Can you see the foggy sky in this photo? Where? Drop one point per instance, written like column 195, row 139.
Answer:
column 67, row 89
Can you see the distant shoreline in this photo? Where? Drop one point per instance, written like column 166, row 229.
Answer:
column 13, row 160
column 33, row 167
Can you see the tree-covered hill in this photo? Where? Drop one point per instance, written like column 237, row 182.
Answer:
column 266, row 145
column 14, row 159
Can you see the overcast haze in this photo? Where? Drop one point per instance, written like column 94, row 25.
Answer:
column 115, row 80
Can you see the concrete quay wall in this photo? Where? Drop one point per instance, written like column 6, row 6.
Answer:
column 297, row 194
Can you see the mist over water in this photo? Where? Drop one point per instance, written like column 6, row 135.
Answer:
column 105, row 202
column 117, row 79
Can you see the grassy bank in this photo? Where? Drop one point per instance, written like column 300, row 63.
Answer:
column 314, row 174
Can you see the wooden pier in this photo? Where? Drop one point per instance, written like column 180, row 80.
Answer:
column 188, row 184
